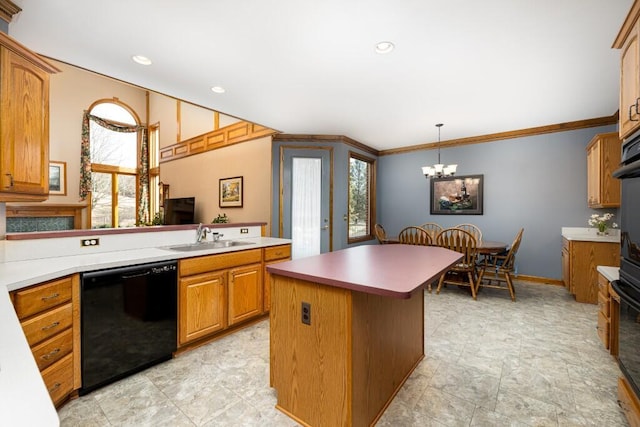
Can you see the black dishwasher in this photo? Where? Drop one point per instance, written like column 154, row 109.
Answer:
column 128, row 321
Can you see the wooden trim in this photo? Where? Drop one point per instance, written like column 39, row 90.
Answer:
column 538, row 279
column 539, row 130
column 224, row 137
column 216, row 120
column 627, row 25
column 27, row 54
column 77, row 347
column 121, row 170
column 8, row 9
column 178, row 123
column 47, row 210
column 325, row 139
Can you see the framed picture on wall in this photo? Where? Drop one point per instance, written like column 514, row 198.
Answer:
column 231, row 192
column 58, row 178
column 457, row 195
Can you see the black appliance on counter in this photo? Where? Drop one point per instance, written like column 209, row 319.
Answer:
column 128, row 321
column 628, row 286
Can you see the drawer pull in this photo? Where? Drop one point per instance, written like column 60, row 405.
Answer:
column 56, row 295
column 53, row 325
column 278, row 253
column 50, row 354
column 55, row 387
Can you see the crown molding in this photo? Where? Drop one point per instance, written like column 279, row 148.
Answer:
column 8, row 9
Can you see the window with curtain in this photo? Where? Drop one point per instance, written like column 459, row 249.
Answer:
column 115, row 166
column 361, row 197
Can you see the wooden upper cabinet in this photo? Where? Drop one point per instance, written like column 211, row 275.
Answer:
column 24, row 123
column 629, row 45
column 603, row 157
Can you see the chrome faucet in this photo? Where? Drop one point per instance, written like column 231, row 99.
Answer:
column 201, row 233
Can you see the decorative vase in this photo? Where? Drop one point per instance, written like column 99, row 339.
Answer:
column 602, row 233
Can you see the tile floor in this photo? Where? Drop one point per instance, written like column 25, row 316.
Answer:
column 490, row 362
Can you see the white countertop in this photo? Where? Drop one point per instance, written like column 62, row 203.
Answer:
column 24, row 399
column 587, row 234
column 610, row 273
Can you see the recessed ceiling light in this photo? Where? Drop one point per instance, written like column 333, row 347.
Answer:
column 142, row 60
column 218, row 89
column 384, row 47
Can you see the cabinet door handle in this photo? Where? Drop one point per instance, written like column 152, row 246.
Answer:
column 52, row 296
column 631, row 107
column 50, row 354
column 55, row 387
column 10, row 180
column 53, row 325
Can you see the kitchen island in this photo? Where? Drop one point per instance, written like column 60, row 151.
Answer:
column 347, row 329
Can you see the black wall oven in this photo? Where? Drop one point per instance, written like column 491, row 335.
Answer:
column 628, row 286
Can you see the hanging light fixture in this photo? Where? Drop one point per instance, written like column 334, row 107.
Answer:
column 439, row 170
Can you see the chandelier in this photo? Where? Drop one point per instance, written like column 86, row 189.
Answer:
column 439, row 170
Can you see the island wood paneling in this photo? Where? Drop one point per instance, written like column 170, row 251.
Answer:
column 348, row 364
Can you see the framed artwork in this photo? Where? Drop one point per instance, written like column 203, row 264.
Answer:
column 58, row 178
column 231, row 192
column 457, row 195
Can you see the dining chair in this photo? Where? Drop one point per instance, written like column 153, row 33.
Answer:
column 463, row 273
column 499, row 267
column 473, row 229
column 381, row 234
column 433, row 229
column 413, row 235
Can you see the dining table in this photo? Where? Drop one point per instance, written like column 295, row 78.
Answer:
column 485, row 247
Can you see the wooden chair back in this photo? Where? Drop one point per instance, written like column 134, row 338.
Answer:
column 413, row 235
column 433, row 229
column 461, row 241
column 473, row 229
column 464, row 272
column 381, row 235
column 509, row 260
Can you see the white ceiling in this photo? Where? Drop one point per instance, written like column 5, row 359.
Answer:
column 302, row 66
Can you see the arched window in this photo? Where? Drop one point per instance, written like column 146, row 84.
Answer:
column 114, row 138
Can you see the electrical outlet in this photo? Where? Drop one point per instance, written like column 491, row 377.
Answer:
column 306, row 313
column 244, row 231
column 89, row 242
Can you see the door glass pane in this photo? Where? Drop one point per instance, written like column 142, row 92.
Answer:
column 101, row 201
column 306, row 200
column 126, row 200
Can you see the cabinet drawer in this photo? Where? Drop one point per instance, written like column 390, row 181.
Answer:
column 50, row 351
column 47, row 324
column 603, row 329
column 58, row 378
column 42, row 297
column 603, row 285
column 603, row 304
column 208, row 263
column 277, row 252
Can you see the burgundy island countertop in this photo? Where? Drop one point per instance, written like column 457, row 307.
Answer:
column 385, row 270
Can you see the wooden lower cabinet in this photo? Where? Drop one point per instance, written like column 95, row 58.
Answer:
column 201, row 306
column 580, row 260
column 244, row 293
column 608, row 315
column 629, row 403
column 217, row 292
column 49, row 314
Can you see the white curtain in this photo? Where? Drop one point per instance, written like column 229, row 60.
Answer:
column 305, row 207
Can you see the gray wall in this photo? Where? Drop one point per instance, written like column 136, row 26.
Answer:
column 538, row 182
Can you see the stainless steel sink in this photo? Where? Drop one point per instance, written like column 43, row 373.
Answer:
column 210, row 245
